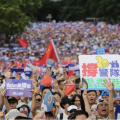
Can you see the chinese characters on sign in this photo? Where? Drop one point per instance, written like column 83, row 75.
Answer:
column 18, row 87
column 95, row 68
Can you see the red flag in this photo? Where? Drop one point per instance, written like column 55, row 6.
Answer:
column 50, row 53
column 107, row 50
column 36, row 63
column 23, row 43
column 46, row 80
column 70, row 73
column 69, row 89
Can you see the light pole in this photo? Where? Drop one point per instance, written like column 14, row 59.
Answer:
column 49, row 17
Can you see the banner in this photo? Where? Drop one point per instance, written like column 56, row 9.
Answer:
column 18, row 87
column 95, row 68
column 101, row 51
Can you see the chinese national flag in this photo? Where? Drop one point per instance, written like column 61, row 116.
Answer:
column 70, row 73
column 50, row 53
column 69, row 89
column 23, row 43
column 46, row 80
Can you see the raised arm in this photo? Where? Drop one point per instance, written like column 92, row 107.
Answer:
column 109, row 85
column 33, row 104
column 87, row 105
column 5, row 100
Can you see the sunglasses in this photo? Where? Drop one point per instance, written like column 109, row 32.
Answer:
column 23, row 109
column 73, row 111
column 38, row 100
column 93, row 109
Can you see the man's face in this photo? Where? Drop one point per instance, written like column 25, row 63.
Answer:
column 61, row 86
column 44, row 92
column 105, row 97
column 38, row 100
column 80, row 117
column 12, row 104
column 92, row 97
column 72, row 94
column 103, row 109
column 57, row 98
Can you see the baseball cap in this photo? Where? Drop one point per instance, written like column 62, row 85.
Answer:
column 12, row 98
column 105, row 92
column 101, row 101
column 22, row 104
column 12, row 114
column 71, row 107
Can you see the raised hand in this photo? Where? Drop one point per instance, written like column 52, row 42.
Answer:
column 108, row 84
column 57, row 104
column 17, row 76
column 7, row 74
column 3, row 92
column 84, row 94
column 48, row 71
column 2, row 114
column 36, row 91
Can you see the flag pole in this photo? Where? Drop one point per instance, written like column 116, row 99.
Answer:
column 55, row 51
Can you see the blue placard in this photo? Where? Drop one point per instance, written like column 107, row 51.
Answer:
column 48, row 101
column 18, row 87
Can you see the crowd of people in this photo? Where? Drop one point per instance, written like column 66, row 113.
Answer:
column 71, row 39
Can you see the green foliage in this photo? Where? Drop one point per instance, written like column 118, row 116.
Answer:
column 74, row 10
column 16, row 14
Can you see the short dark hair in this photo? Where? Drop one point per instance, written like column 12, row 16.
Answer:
column 57, row 94
column 81, row 112
column 92, row 91
column 76, row 95
column 46, row 87
column 39, row 95
column 59, row 82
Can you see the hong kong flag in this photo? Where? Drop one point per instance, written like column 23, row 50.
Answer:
column 23, row 43
column 50, row 53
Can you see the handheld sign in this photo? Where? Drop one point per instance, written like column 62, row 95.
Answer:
column 48, row 101
column 95, row 68
column 18, row 87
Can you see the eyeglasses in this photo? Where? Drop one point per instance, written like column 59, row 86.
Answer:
column 93, row 109
column 73, row 111
column 38, row 100
column 23, row 109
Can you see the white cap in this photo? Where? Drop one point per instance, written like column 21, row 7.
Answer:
column 71, row 107
column 12, row 114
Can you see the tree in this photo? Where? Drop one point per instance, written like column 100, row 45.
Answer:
column 15, row 15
